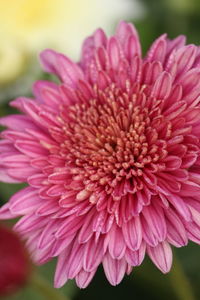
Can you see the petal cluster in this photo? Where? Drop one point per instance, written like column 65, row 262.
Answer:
column 110, row 155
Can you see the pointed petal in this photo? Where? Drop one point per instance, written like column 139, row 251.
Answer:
column 135, row 258
column 180, row 206
column 161, row 255
column 114, row 269
column 162, row 87
column 61, row 277
column 114, row 53
column 176, row 233
column 116, row 244
column 158, row 49
column 127, row 32
column 155, row 221
column 132, row 232
column 5, row 212
column 83, row 278
column 25, row 201
column 93, row 254
column 75, row 260
column 62, row 66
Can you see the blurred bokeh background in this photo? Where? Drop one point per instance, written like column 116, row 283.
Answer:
column 29, row 26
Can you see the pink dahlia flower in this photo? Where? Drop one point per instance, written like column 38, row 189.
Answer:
column 110, row 155
column 14, row 262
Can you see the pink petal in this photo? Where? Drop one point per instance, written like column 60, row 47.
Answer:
column 176, row 43
column 59, row 245
column 93, row 254
column 114, row 53
column 135, row 258
column 127, row 32
column 180, row 206
column 17, row 121
column 30, row 222
column 162, row 86
column 132, row 232
column 155, row 220
column 47, row 208
column 189, row 80
column 25, row 201
column 61, row 271
column 62, row 66
column 193, row 232
column 161, row 255
column 5, row 212
column 30, row 148
column 172, row 163
column 157, row 51
column 132, row 47
column 116, row 243
column 15, row 160
column 136, row 69
column 185, row 57
column 47, row 236
column 114, row 269
column 75, row 260
column 69, row 226
column 8, row 178
column 83, row 278
column 48, row 93
column 176, row 233
column 148, row 235
column 86, row 231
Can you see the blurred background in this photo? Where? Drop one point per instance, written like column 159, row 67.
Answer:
column 29, row 26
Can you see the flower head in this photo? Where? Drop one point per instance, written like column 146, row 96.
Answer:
column 14, row 264
column 110, row 155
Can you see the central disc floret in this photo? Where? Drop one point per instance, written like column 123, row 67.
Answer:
column 109, row 137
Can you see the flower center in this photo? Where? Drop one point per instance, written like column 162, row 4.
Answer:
column 110, row 137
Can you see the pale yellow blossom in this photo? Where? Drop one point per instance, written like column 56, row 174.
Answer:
column 31, row 25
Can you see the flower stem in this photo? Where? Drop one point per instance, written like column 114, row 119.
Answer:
column 43, row 286
column 179, row 281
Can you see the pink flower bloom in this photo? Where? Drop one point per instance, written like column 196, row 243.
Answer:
column 14, row 262
column 110, row 155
